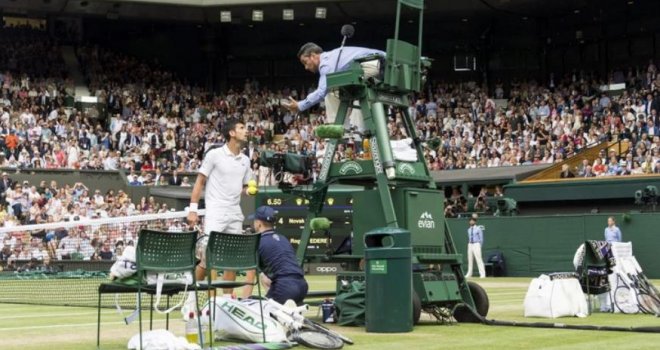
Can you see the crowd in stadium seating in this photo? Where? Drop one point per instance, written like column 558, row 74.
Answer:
column 49, row 202
column 159, row 125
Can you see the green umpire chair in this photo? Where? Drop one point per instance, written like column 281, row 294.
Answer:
column 232, row 252
column 156, row 252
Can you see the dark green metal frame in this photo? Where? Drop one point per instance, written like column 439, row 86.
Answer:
column 226, row 251
column 156, row 251
column 402, row 77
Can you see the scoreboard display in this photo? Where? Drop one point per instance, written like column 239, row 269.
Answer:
column 292, row 213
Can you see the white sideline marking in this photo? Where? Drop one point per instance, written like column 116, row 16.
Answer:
column 56, row 326
column 71, row 325
column 56, row 315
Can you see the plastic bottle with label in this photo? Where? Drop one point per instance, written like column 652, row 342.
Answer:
column 192, row 330
column 206, row 327
column 366, row 149
column 328, row 311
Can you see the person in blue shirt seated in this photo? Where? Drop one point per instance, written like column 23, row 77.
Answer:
column 282, row 274
column 313, row 58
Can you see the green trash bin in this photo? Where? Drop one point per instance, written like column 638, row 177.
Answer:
column 389, row 280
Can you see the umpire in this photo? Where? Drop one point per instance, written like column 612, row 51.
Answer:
column 281, row 272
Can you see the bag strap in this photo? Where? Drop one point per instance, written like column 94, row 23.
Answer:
column 159, row 289
column 133, row 314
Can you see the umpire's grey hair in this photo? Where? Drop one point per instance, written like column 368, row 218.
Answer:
column 309, row 48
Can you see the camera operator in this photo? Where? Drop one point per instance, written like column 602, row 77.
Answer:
column 450, row 211
column 481, row 205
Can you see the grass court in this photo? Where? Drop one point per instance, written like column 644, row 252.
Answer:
column 37, row 327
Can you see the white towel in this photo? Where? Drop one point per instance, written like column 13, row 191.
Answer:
column 160, row 339
column 402, row 150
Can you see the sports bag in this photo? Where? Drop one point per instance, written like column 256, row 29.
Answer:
column 241, row 320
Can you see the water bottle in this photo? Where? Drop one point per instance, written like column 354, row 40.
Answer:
column 192, row 331
column 206, row 327
column 366, row 149
column 328, row 310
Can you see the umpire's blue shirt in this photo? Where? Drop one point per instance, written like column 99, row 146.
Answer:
column 327, row 63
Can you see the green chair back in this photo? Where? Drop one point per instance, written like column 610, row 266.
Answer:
column 402, row 71
column 235, row 252
column 157, row 251
column 232, row 251
column 165, row 251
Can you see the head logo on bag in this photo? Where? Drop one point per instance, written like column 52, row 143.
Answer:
column 241, row 320
column 241, row 316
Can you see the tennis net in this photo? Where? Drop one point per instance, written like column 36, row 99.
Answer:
column 63, row 263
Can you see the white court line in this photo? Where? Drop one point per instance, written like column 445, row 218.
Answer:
column 507, row 293
column 56, row 326
column 104, row 312
column 144, row 323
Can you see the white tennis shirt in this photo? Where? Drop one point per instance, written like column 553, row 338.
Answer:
column 226, row 173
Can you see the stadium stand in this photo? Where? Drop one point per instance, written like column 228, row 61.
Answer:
column 159, row 126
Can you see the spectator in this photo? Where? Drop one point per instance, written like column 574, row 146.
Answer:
column 599, row 168
column 582, row 169
column 68, row 245
column 481, row 205
column 175, row 179
column 106, row 252
column 6, row 183
column 186, row 182
column 613, row 168
column 566, row 172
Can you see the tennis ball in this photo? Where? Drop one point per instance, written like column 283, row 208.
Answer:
column 252, row 183
column 251, row 190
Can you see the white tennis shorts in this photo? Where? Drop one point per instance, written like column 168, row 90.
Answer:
column 226, row 222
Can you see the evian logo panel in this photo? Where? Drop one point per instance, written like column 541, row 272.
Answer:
column 426, row 221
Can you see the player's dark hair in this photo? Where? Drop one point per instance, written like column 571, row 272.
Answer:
column 230, row 125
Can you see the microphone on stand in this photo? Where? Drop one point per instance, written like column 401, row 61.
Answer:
column 347, row 31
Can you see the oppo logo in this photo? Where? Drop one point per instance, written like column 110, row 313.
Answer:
column 326, row 269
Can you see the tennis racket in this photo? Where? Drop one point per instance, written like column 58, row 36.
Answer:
column 647, row 285
column 316, row 339
column 318, row 327
column 649, row 301
column 304, row 331
column 624, row 300
column 648, row 304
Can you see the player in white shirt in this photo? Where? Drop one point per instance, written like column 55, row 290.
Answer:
column 223, row 176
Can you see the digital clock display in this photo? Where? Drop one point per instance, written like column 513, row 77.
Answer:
column 343, row 200
column 274, row 202
column 292, row 216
